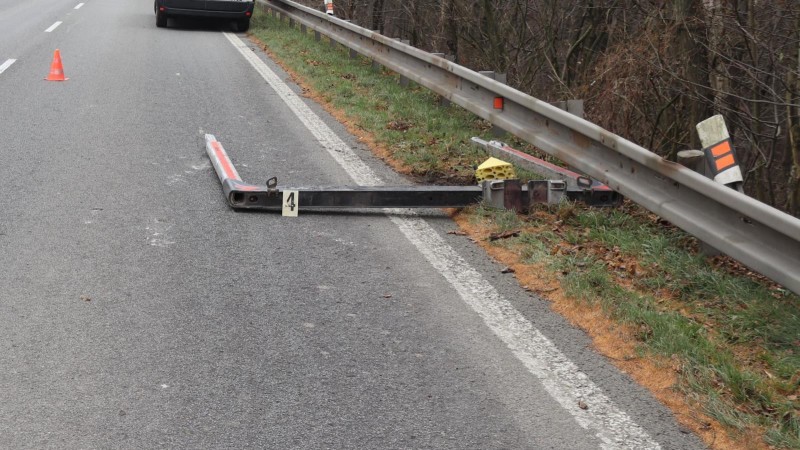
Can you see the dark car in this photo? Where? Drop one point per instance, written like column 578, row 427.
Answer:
column 239, row 11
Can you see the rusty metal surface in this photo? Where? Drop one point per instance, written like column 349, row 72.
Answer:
column 759, row 236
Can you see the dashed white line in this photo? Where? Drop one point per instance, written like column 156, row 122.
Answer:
column 79, row 5
column 562, row 379
column 53, row 27
column 7, row 64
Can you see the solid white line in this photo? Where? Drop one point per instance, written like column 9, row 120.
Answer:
column 78, row 6
column 53, row 27
column 7, row 64
column 560, row 377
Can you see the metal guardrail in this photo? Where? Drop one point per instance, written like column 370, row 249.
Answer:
column 757, row 235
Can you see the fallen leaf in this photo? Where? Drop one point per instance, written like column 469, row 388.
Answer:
column 387, row 296
column 398, row 125
column 582, row 405
column 86, row 298
column 508, row 270
column 457, row 233
column 504, row 235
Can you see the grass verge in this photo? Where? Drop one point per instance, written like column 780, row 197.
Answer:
column 718, row 344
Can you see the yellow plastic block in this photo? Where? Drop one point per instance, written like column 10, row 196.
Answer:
column 495, row 169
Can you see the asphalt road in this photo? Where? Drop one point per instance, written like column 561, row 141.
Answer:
column 138, row 311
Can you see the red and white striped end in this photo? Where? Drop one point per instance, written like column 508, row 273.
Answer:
column 222, row 164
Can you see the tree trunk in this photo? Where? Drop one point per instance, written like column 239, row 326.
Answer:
column 688, row 16
column 448, row 20
column 378, row 16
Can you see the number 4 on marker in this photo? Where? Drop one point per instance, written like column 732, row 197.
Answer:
column 291, row 199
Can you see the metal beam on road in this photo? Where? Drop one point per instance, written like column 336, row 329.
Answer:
column 508, row 194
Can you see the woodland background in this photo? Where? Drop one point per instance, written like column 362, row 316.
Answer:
column 648, row 70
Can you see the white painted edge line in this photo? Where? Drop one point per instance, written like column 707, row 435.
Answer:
column 53, row 27
column 79, row 5
column 7, row 64
column 560, row 377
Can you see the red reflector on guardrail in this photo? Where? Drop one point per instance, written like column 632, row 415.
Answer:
column 499, row 103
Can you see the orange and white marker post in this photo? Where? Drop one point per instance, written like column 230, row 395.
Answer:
column 56, row 68
column 719, row 152
column 329, row 7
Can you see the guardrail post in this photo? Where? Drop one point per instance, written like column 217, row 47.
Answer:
column 303, row 29
column 693, row 159
column 291, row 23
column 444, row 102
column 333, row 42
column 501, row 78
column 317, row 36
column 353, row 53
column 376, row 66
column 696, row 160
column 574, row 107
column 403, row 80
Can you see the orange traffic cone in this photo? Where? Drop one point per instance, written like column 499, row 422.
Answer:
column 56, row 69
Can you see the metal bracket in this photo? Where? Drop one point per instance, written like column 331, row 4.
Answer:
column 578, row 187
column 272, row 186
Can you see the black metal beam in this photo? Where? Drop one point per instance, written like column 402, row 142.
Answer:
column 242, row 196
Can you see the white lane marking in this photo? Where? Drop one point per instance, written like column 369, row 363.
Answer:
column 7, row 64
column 79, row 5
column 53, row 27
column 562, row 379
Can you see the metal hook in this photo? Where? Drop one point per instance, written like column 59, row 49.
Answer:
column 272, row 185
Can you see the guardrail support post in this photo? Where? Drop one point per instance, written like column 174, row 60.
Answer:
column 317, row 36
column 574, row 107
column 501, row 78
column 403, row 80
column 376, row 66
column 353, row 54
column 303, row 29
column 693, row 159
column 696, row 160
column 443, row 102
